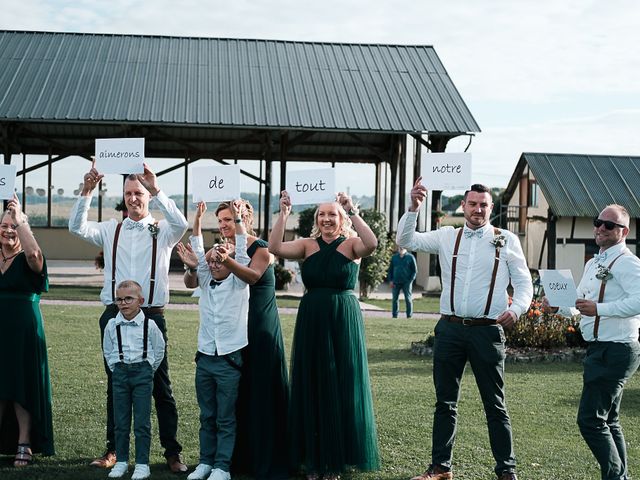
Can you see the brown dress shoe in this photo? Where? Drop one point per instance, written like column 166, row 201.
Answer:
column 508, row 476
column 435, row 472
column 175, row 464
column 107, row 460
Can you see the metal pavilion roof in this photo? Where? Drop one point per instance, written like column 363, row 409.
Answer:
column 582, row 185
column 184, row 81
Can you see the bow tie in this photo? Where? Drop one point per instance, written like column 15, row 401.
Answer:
column 214, row 283
column 133, row 225
column 600, row 257
column 468, row 233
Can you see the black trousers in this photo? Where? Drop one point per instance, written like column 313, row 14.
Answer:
column 162, row 394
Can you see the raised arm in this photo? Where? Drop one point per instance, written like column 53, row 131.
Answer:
column 293, row 250
column 174, row 218
column 190, row 260
column 366, row 243
column 25, row 235
column 78, row 219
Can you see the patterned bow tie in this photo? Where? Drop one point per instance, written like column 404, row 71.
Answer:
column 132, row 225
column 468, row 233
column 600, row 257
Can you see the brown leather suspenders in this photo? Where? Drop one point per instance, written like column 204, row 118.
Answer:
column 596, row 324
column 154, row 253
column 494, row 274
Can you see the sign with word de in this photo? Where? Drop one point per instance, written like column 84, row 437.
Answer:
column 215, row 183
column 120, row 155
column 559, row 287
column 446, row 171
column 7, row 181
column 311, row 186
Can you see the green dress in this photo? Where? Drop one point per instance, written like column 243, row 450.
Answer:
column 24, row 369
column 263, row 397
column 332, row 426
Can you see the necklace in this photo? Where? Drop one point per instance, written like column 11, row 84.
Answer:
column 6, row 259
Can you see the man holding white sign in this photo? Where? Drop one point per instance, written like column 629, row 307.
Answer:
column 609, row 302
column 478, row 262
column 139, row 248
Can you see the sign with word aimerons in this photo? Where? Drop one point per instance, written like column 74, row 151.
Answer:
column 215, row 183
column 120, row 155
column 311, row 186
column 559, row 287
column 446, row 171
column 7, row 181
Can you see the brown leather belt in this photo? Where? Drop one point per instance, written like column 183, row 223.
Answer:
column 469, row 322
column 153, row 310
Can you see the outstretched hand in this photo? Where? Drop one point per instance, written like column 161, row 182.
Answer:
column 15, row 210
column 285, row 203
column 418, row 195
column 91, row 179
column 187, row 255
column 149, row 180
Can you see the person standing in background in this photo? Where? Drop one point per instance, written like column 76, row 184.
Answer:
column 402, row 274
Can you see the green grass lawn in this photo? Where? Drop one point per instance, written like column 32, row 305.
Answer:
column 542, row 400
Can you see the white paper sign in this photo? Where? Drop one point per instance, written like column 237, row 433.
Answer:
column 215, row 183
column 120, row 155
column 559, row 287
column 311, row 186
column 7, row 181
column 446, row 171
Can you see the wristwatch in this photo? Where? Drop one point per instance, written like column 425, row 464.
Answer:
column 189, row 269
column 353, row 211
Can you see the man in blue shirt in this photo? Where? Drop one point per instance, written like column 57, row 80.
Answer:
column 402, row 273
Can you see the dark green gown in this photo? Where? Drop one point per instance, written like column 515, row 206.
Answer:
column 332, row 426
column 263, row 397
column 24, row 368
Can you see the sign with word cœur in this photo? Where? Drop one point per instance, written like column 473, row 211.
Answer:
column 120, row 155
column 215, row 183
column 311, row 186
column 446, row 171
column 7, row 181
column 559, row 287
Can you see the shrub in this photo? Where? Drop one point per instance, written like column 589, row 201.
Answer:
column 305, row 222
column 374, row 268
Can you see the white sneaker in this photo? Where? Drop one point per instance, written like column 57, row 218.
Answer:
column 218, row 474
column 141, row 472
column 118, row 470
column 201, row 472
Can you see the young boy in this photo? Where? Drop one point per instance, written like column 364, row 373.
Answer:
column 224, row 307
column 133, row 348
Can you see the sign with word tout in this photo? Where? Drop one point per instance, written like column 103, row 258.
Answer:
column 215, row 183
column 7, row 181
column 559, row 287
column 446, row 171
column 120, row 155
column 311, row 186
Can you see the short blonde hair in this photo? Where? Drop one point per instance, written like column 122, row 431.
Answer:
column 130, row 284
column 346, row 226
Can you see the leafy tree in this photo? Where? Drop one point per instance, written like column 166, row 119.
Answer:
column 305, row 222
column 373, row 269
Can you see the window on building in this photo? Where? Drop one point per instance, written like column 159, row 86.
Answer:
column 533, row 194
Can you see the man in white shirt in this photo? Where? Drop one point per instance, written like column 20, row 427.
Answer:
column 478, row 262
column 609, row 302
column 137, row 249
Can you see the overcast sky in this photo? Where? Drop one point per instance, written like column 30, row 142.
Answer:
column 542, row 76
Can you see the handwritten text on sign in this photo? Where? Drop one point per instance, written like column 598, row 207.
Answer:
column 120, row 155
column 559, row 287
column 446, row 171
column 215, row 183
column 311, row 186
column 7, row 181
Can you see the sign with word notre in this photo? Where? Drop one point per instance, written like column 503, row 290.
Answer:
column 311, row 186
column 215, row 183
column 559, row 287
column 120, row 155
column 7, row 181
column 446, row 171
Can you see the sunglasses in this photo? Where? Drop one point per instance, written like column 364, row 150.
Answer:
column 609, row 225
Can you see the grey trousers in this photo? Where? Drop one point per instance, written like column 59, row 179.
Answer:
column 217, row 380
column 132, row 389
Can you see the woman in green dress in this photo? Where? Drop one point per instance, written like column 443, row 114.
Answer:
column 331, row 422
column 261, row 409
column 25, row 394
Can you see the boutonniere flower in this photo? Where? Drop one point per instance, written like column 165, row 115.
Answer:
column 603, row 273
column 499, row 240
column 154, row 229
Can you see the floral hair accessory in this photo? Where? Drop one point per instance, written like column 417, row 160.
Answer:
column 603, row 273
